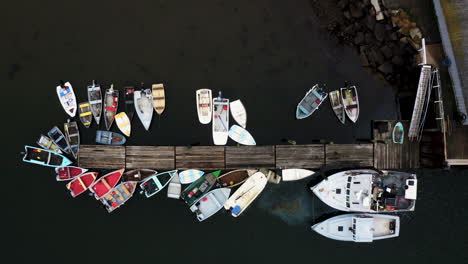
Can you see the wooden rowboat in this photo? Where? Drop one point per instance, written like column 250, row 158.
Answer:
column 81, row 183
column 46, row 142
column 337, row 105
column 118, row 195
column 111, row 103
column 44, row 157
column 235, row 177
column 95, row 101
column 68, row 172
column 204, row 105
column 159, row 99
column 123, row 123
column 73, row 136
column 59, row 138
column 104, row 185
column 86, row 117
column 138, row 175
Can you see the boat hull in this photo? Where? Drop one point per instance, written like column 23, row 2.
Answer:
column 109, row 138
column 159, row 98
column 204, row 105
column 111, row 104
column 129, row 102
column 234, row 178
column 68, row 172
column 241, row 136
column 73, row 137
column 104, row 185
column 81, row 183
column 337, row 105
column 154, row 184
column 210, row 203
column 95, row 101
column 239, row 113
column 311, row 102
column 220, row 120
column 189, row 176
column 198, row 188
column 86, row 117
column 44, row 157
column 67, row 98
column 295, row 174
column 123, row 123
column 350, row 101
column 119, row 195
column 144, row 106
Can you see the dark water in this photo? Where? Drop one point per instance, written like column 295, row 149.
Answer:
column 268, row 53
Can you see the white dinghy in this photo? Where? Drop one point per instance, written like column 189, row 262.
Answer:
column 295, row 174
column 369, row 191
column 220, row 120
column 67, row 98
column 246, row 194
column 359, row 227
column 189, row 176
column 175, row 188
column 210, row 203
column 241, row 136
column 144, row 106
column 350, row 100
column 238, row 113
column 204, row 105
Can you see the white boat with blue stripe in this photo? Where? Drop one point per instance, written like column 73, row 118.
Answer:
column 189, row 176
column 241, row 136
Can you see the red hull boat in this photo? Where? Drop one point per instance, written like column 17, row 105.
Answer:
column 69, row 172
column 81, row 183
column 105, row 184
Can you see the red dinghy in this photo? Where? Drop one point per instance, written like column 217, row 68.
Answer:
column 81, row 183
column 105, row 184
column 68, row 172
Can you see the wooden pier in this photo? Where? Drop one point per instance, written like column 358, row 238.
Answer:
column 381, row 154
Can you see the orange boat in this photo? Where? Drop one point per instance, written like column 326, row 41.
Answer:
column 81, row 183
column 105, row 184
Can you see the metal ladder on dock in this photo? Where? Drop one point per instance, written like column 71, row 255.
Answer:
column 440, row 115
column 420, row 103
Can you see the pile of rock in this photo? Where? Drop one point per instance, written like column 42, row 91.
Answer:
column 387, row 46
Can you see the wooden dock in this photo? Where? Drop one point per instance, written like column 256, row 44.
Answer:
column 381, row 154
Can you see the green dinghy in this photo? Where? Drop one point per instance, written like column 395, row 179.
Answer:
column 198, row 188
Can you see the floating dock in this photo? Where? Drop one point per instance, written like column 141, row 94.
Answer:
column 382, row 153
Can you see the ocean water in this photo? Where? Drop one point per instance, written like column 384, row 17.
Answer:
column 266, row 53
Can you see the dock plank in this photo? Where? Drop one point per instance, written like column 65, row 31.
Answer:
column 300, row 156
column 349, row 155
column 150, row 157
column 101, row 157
column 200, row 157
column 250, row 157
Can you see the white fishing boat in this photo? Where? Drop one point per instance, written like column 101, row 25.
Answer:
column 295, row 174
column 67, row 98
column 95, row 100
column 241, row 136
column 246, row 194
column 369, row 191
column 238, row 113
column 220, row 120
column 359, row 227
column 144, row 106
column 123, row 123
column 189, row 176
column 350, row 100
column 210, row 203
column 175, row 188
column 204, row 105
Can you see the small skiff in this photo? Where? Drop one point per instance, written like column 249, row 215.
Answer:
column 295, row 174
column 359, row 227
column 109, row 138
column 204, row 105
column 73, row 136
column 337, row 105
column 398, row 133
column 95, row 100
column 123, row 123
column 350, row 100
column 46, row 142
column 198, row 188
column 210, row 203
column 104, row 185
column 189, row 176
column 81, row 183
column 159, row 99
column 68, row 172
column 138, row 175
column 129, row 102
column 174, row 189
column 235, row 178
column 111, row 103
column 311, row 102
column 59, row 139
column 238, row 113
column 152, row 185
column 369, row 191
column 246, row 194
column 144, row 106
column 241, row 136
column 67, row 98
column 272, row 176
column 44, row 157
column 118, row 195
column 220, row 120
column 86, row 117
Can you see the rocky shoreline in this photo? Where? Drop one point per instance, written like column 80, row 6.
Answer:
column 387, row 40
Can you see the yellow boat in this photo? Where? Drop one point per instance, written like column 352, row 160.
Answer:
column 159, row 100
column 86, row 117
column 123, row 123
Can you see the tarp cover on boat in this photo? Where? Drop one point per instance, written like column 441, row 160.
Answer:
column 363, row 229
